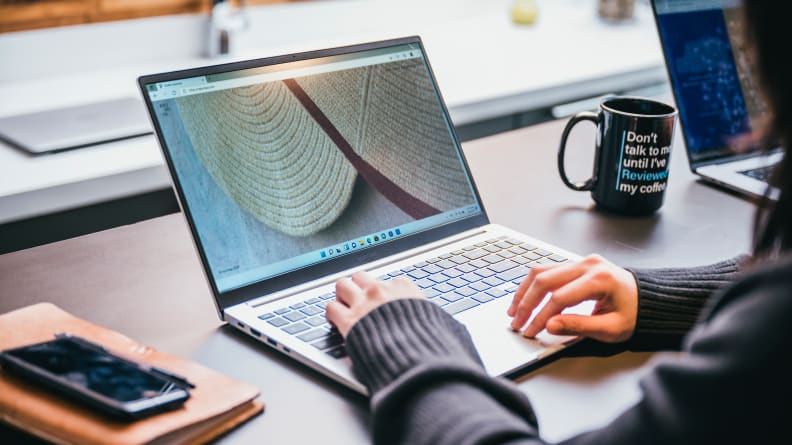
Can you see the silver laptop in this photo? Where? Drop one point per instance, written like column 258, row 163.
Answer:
column 717, row 93
column 78, row 126
column 298, row 170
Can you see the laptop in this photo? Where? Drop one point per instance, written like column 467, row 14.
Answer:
column 295, row 171
column 68, row 128
column 717, row 93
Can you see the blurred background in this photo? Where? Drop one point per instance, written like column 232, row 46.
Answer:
column 500, row 65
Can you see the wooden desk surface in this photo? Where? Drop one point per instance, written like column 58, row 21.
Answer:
column 145, row 281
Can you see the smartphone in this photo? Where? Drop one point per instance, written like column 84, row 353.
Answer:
column 89, row 374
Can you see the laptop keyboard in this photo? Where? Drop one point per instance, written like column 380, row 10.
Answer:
column 457, row 281
column 761, row 173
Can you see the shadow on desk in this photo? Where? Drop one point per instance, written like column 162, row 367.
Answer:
column 31, row 232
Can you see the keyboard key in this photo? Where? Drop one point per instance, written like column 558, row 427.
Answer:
column 452, row 273
column 545, row 261
column 313, row 300
column 266, row 316
column 424, row 283
column 517, row 250
column 492, row 248
column 443, row 288
column 445, row 256
column 493, row 281
column 458, row 252
column 294, row 316
column 557, row 258
column 445, row 264
column 470, row 277
column 417, row 274
column 479, row 286
column 543, row 252
column 470, row 247
column 408, row 269
column 482, row 298
column 484, row 272
column 504, row 244
column 505, row 254
column 477, row 264
column 311, row 310
column 493, row 240
column 439, row 301
column 527, row 246
column 322, row 304
column 316, row 321
column 339, row 352
column 513, row 274
column 296, row 328
column 520, row 260
column 438, row 277
column 312, row 335
column 430, row 292
column 421, row 264
column 475, row 254
column 452, row 296
column 457, row 282
column 432, row 269
column 481, row 244
column 531, row 256
column 503, row 266
column 282, row 311
column 511, row 289
column 433, row 260
column 329, row 296
column 492, row 259
column 465, row 268
column 497, row 292
column 459, row 259
column 297, row 306
column 459, row 306
column 395, row 274
column 278, row 322
column 332, row 339
column 514, row 241
column 466, row 291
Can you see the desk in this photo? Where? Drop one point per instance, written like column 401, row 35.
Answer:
column 145, row 281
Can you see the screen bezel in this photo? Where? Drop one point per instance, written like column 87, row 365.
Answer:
column 338, row 264
column 725, row 155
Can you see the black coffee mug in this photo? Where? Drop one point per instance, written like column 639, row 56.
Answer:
column 633, row 150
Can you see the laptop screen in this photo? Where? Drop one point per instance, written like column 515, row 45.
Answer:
column 714, row 81
column 289, row 165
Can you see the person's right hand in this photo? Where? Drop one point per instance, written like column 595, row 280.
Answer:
column 594, row 278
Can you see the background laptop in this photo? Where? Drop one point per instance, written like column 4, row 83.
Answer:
column 295, row 171
column 717, row 93
column 78, row 126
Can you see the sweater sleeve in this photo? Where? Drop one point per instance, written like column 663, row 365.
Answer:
column 670, row 301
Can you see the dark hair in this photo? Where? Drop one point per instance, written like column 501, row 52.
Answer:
column 768, row 28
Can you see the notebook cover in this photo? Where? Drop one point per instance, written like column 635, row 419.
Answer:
column 216, row 405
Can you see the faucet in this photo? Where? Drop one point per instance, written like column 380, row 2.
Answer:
column 224, row 23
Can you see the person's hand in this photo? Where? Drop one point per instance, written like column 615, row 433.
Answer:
column 593, row 278
column 361, row 294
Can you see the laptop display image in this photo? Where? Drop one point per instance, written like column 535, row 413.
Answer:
column 716, row 90
column 298, row 170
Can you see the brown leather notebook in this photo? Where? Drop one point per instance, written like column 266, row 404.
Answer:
column 216, row 405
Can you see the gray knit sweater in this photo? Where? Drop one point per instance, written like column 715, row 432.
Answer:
column 732, row 386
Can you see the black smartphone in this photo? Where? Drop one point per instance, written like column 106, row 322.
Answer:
column 87, row 373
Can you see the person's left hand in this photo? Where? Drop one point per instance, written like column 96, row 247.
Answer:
column 361, row 294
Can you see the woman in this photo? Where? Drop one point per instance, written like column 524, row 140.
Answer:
column 732, row 385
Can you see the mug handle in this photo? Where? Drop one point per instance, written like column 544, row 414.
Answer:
column 588, row 184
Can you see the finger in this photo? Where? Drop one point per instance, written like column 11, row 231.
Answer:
column 525, row 284
column 543, row 283
column 606, row 327
column 580, row 289
column 338, row 315
column 348, row 292
column 363, row 279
